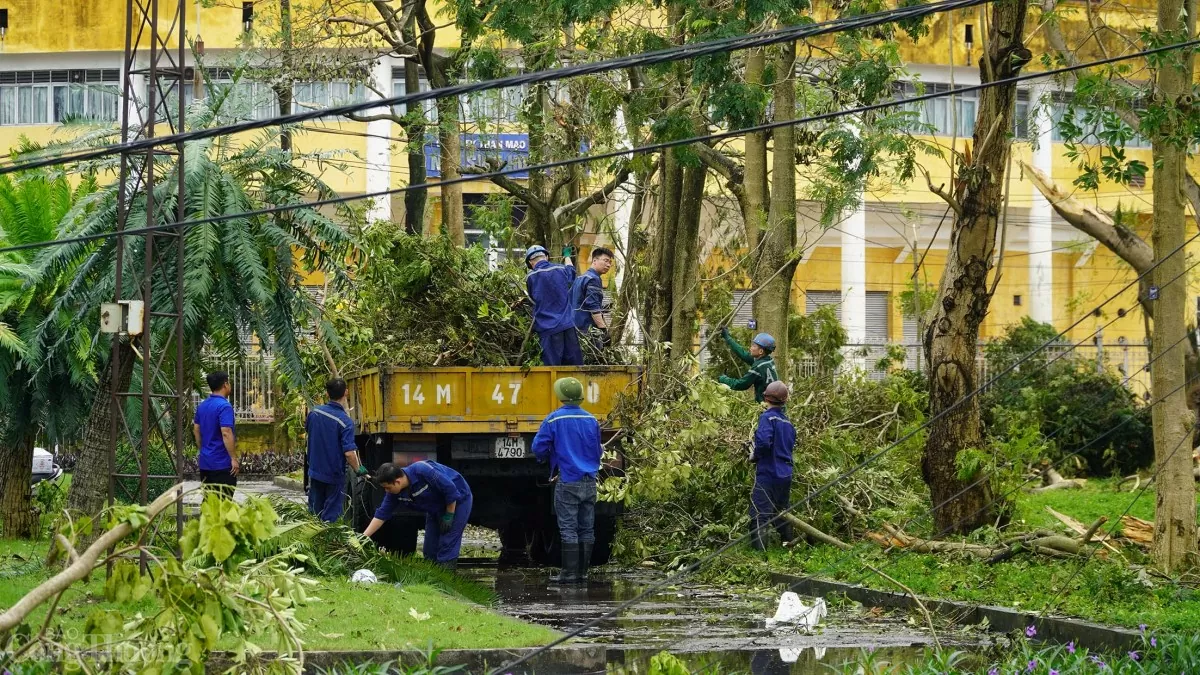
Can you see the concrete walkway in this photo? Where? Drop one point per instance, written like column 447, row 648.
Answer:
column 260, row 488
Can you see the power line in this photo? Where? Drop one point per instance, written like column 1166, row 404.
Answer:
column 668, row 55
column 654, row 147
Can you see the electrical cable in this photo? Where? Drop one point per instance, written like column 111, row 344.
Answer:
column 667, row 55
column 840, row 477
column 587, row 158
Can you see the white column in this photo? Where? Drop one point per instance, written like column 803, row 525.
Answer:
column 854, row 281
column 379, row 148
column 1041, row 234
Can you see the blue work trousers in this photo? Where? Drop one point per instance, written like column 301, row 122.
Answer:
column 561, row 348
column 575, row 507
column 326, row 500
column 768, row 499
column 444, row 548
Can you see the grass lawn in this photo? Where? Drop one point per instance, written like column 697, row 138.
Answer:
column 1104, row 591
column 344, row 616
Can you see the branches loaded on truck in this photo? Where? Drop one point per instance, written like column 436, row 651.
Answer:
column 481, row 422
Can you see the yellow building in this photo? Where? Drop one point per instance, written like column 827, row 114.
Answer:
column 62, row 60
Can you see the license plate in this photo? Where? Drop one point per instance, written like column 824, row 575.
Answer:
column 508, row 447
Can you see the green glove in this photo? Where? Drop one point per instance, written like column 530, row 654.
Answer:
column 361, row 470
column 447, row 522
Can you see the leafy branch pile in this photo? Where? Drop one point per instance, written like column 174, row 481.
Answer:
column 688, row 478
column 424, row 302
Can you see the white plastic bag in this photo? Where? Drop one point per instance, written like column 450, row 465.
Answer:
column 793, row 611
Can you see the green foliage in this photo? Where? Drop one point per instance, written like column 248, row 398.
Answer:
column 665, row 663
column 226, row 532
column 1076, row 407
column 688, row 480
column 421, row 301
column 49, row 498
column 1158, row 655
column 815, row 339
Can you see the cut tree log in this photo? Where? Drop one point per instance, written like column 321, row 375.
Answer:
column 1053, row 480
column 82, row 564
column 813, row 533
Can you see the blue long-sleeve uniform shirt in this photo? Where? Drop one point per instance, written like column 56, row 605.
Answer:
column 549, row 286
column 569, row 439
column 774, row 440
column 587, row 297
column 431, row 487
column 330, row 436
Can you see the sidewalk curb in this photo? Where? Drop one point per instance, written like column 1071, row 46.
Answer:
column 288, row 483
column 578, row 658
column 1093, row 636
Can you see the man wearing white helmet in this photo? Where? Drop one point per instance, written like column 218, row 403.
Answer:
column 762, row 366
column 549, row 287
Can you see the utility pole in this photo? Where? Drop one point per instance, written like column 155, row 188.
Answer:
column 154, row 63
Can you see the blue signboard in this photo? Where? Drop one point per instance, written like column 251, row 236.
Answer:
column 476, row 149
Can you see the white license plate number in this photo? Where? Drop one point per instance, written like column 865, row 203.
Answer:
column 509, row 448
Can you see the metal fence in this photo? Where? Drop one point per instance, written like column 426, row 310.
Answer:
column 1127, row 361
column 253, row 396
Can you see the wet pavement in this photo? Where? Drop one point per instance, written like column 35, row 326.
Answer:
column 703, row 625
column 193, row 495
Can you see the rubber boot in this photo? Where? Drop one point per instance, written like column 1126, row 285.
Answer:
column 569, row 574
column 585, row 561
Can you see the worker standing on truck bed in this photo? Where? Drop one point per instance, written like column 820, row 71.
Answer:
column 330, row 446
column 549, row 287
column 762, row 365
column 434, row 489
column 569, row 438
column 587, row 297
column 774, row 440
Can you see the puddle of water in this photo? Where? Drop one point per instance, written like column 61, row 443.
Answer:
column 705, row 626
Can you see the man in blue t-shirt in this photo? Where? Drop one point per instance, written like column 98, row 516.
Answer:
column 569, row 438
column 330, row 446
column 587, row 299
column 213, row 431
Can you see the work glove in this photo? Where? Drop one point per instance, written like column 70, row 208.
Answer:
column 361, row 470
column 724, row 331
column 447, row 522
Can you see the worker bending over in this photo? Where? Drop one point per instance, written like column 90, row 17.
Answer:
column 569, row 439
column 331, row 446
column 774, row 440
column 762, row 365
column 549, row 287
column 436, row 490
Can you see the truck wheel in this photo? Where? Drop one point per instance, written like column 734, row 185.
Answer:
column 545, row 548
column 606, row 531
column 398, row 536
column 515, row 540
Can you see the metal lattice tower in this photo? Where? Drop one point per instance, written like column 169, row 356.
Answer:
column 154, row 64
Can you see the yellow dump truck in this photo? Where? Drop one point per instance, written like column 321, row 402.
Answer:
column 481, row 422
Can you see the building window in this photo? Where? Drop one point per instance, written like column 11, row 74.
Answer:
column 493, row 106
column 250, row 100
column 1016, row 301
column 939, row 114
column 58, row 96
column 1063, row 104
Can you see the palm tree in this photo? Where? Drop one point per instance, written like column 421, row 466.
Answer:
column 42, row 394
column 239, row 274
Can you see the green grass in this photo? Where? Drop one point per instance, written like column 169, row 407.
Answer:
column 344, row 616
column 1107, row 591
column 377, row 616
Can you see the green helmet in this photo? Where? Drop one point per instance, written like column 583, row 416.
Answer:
column 569, row 390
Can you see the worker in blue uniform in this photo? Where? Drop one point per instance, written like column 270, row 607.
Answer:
column 331, row 446
column 762, row 365
column 569, row 438
column 774, row 440
column 549, row 287
column 587, row 298
column 434, row 489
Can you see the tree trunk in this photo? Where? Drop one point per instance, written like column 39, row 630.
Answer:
column 89, row 482
column 1175, row 510
column 414, row 200
column 16, row 501
column 773, row 275
column 283, row 90
column 668, row 219
column 963, row 503
column 755, row 181
column 686, row 266
column 451, row 153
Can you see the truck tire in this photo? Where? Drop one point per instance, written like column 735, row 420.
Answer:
column 546, row 547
